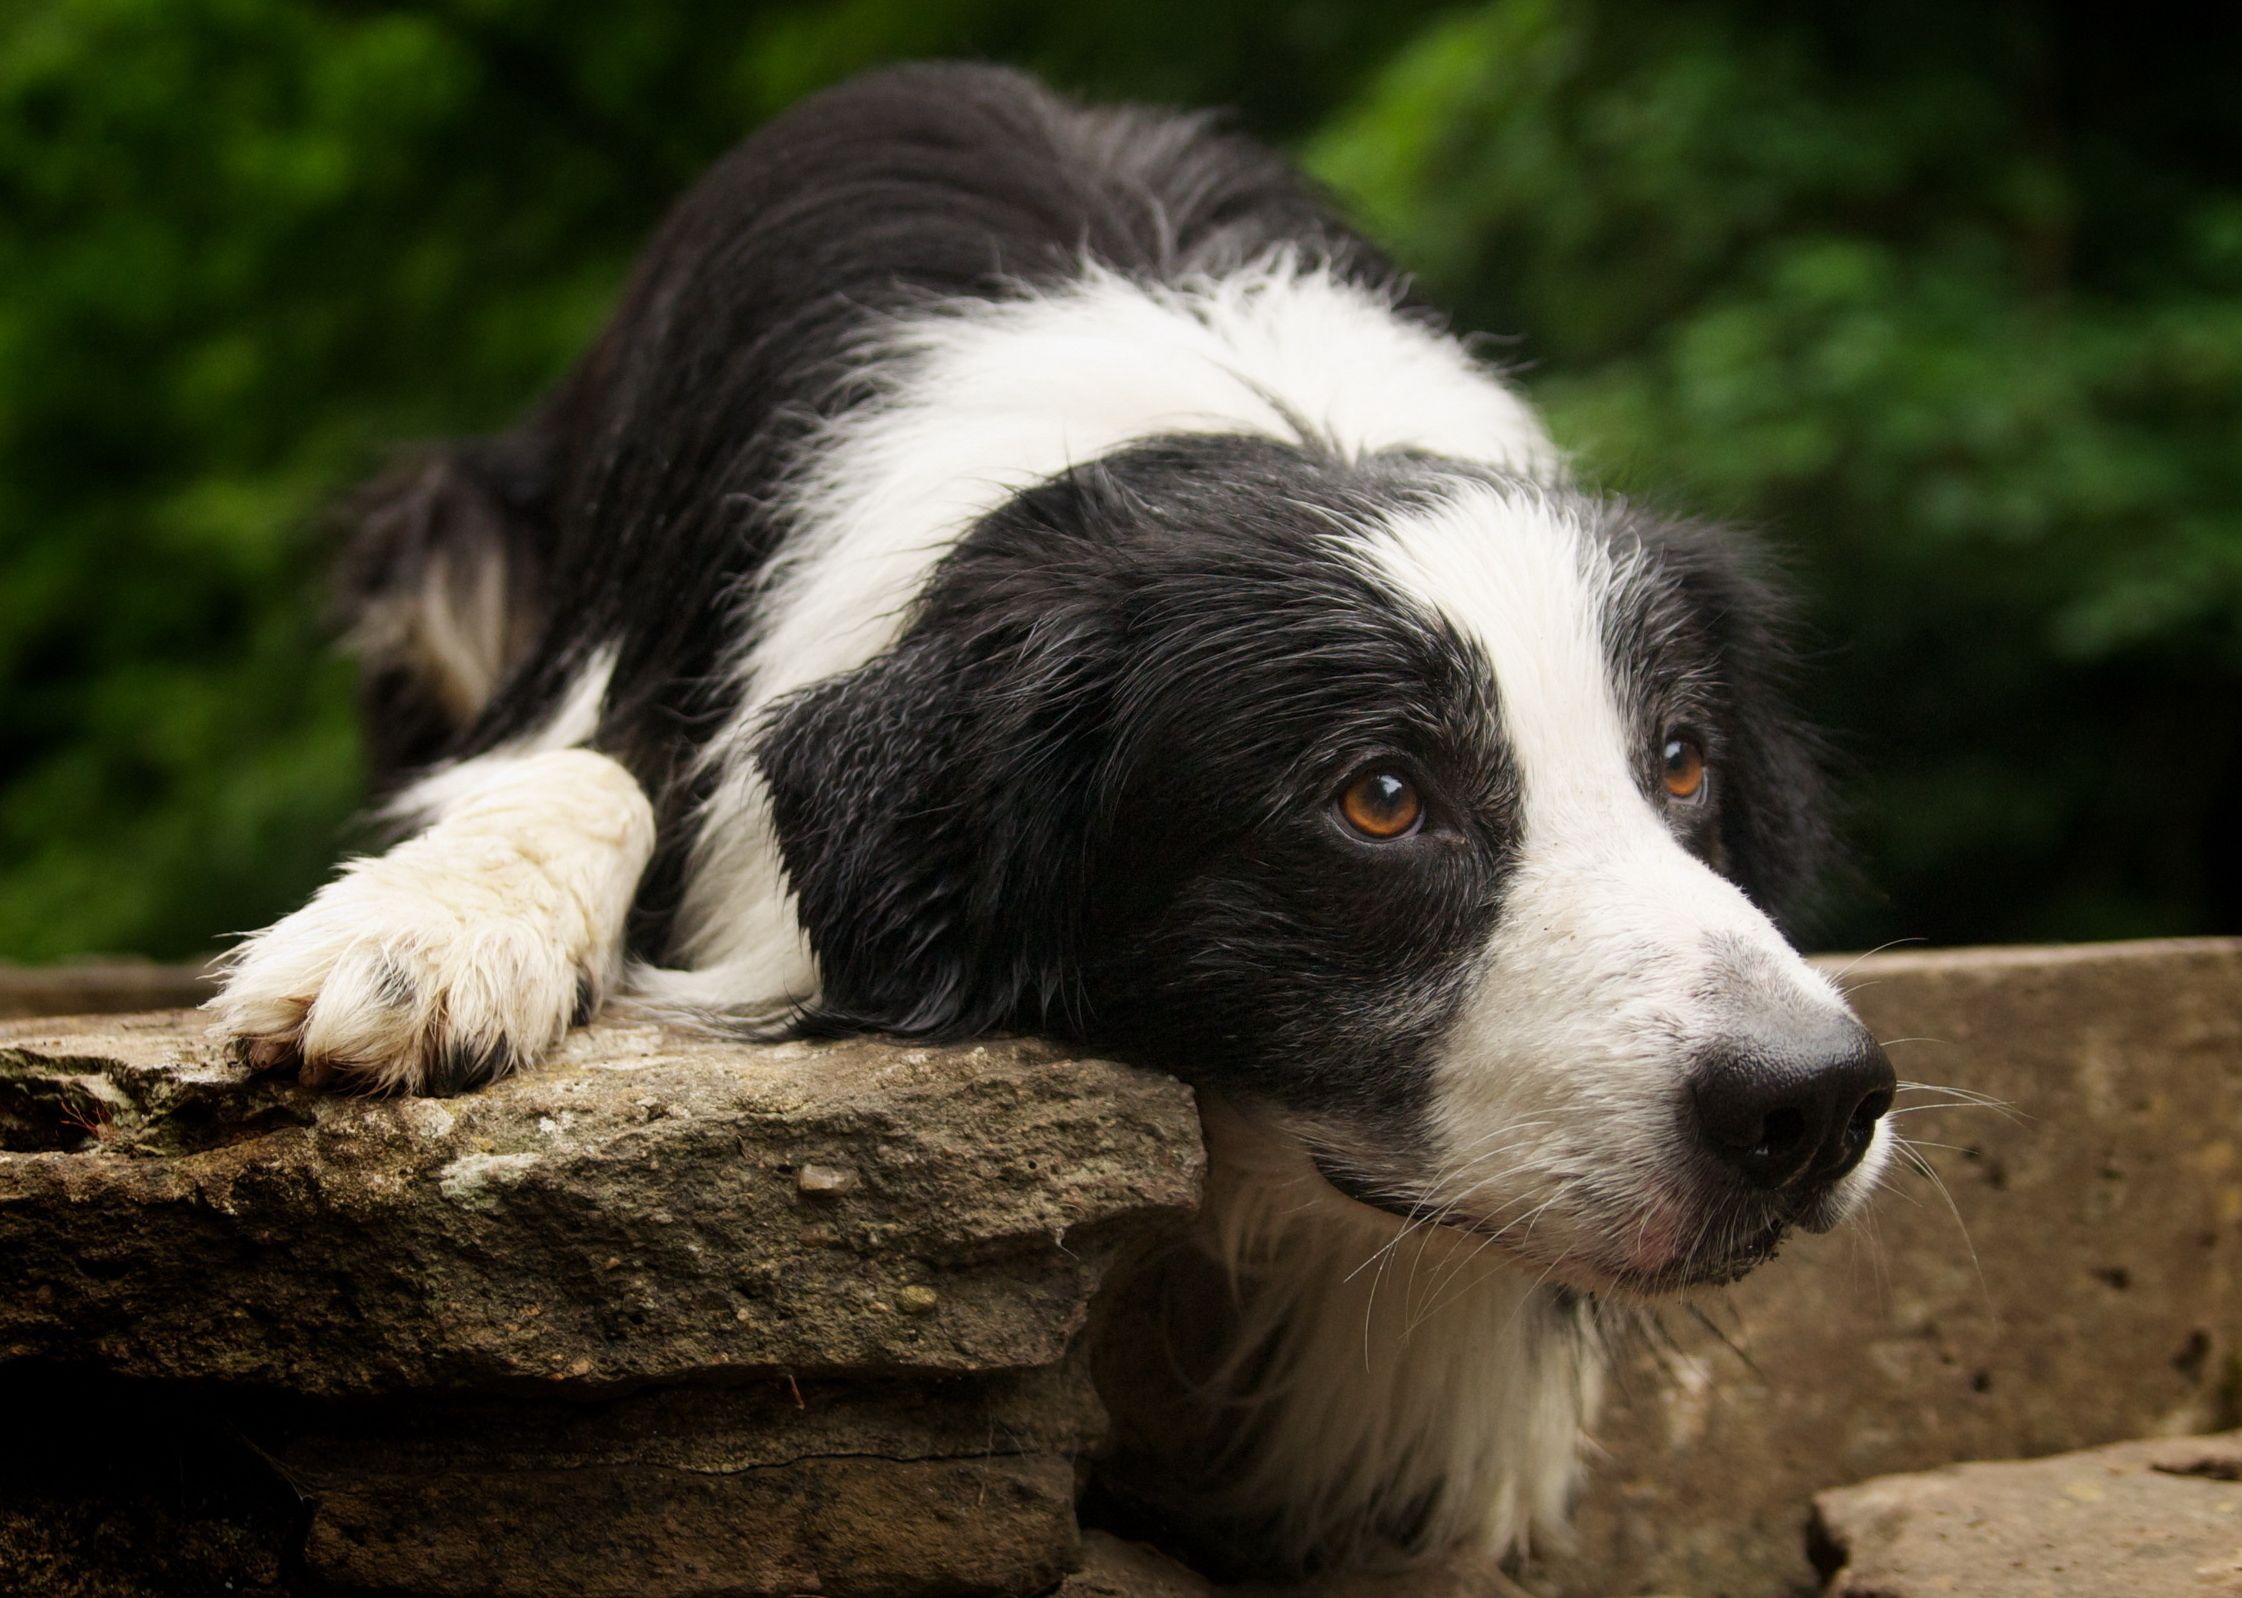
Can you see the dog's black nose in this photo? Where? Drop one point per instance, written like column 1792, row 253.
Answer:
column 1794, row 1109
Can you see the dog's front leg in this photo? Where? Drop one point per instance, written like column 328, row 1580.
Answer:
column 464, row 952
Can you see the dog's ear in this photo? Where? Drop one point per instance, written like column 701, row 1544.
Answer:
column 935, row 809
column 1776, row 839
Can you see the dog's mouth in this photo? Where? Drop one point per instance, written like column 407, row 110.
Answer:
column 1735, row 1258
column 1669, row 1247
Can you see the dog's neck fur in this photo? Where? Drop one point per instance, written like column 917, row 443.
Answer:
column 1374, row 1394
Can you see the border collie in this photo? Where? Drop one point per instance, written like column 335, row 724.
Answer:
column 1014, row 567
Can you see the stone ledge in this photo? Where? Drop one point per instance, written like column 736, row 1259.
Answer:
column 2081, row 1286
column 647, row 1207
column 665, row 1318
column 672, row 1317
column 2160, row 1517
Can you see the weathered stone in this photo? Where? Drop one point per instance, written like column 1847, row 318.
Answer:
column 1113, row 1567
column 2162, row 1517
column 127, row 1490
column 844, row 1528
column 2084, row 1287
column 567, row 1335
column 91, row 1546
column 593, row 1331
column 837, row 1487
column 893, row 1486
column 629, row 1212
column 825, row 1181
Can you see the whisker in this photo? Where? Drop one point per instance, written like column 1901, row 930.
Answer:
column 1870, row 954
column 1925, row 1168
column 1697, row 1314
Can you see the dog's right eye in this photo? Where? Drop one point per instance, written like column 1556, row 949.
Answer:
column 1381, row 805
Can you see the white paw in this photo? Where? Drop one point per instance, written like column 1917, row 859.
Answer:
column 462, row 954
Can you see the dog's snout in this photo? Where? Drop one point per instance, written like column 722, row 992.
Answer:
column 1793, row 1110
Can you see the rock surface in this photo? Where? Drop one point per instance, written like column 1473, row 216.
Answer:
column 867, row 1487
column 665, row 1318
column 2084, row 1287
column 2159, row 1518
column 1115, row 1568
column 678, row 1318
column 633, row 1211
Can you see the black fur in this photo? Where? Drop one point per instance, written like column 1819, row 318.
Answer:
column 1089, row 792
column 1707, row 626
column 661, row 452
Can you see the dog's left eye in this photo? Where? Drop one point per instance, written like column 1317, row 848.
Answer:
column 1682, row 767
column 1381, row 805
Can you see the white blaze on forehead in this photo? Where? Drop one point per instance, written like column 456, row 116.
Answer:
column 1522, row 577
column 986, row 398
column 1522, row 581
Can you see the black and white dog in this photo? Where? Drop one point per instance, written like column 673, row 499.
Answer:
column 1017, row 567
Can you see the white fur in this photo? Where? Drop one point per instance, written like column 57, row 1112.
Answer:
column 1558, row 1093
column 474, row 935
column 1380, row 1369
column 980, row 400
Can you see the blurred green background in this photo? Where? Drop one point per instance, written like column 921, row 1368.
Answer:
column 1945, row 300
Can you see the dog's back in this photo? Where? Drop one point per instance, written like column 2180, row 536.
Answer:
column 480, row 569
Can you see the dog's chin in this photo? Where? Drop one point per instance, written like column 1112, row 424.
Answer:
column 1700, row 1267
column 1729, row 1238
column 1650, row 1273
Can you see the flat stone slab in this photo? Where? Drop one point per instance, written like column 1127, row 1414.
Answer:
column 910, row 1486
column 648, row 1206
column 2162, row 1517
column 847, row 1488
column 2078, row 1280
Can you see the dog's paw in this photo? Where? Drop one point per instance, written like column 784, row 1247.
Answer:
column 462, row 954
column 407, row 977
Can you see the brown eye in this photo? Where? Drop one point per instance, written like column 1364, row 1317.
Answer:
column 1381, row 805
column 1683, row 768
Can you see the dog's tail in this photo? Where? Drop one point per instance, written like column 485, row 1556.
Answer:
column 444, row 584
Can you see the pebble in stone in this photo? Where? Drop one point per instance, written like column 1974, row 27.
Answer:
column 824, row 1181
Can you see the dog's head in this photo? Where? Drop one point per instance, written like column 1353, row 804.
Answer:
column 1436, row 817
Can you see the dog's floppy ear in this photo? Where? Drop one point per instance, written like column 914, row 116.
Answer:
column 1775, row 833
column 935, row 809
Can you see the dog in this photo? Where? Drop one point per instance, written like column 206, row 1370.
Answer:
column 1010, row 566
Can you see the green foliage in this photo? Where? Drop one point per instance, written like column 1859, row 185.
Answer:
column 247, row 245
column 1952, row 308
column 1949, row 304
